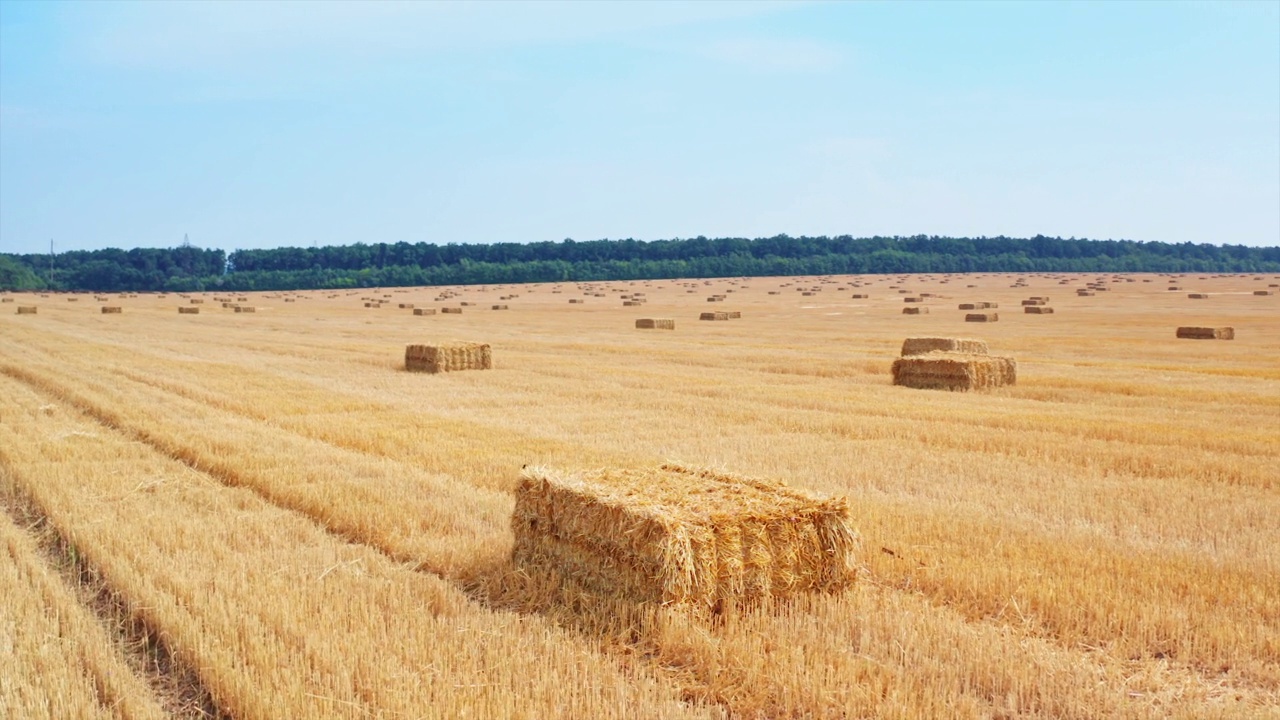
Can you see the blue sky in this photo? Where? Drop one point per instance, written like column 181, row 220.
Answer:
column 260, row 124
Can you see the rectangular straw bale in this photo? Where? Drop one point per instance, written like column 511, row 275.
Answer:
column 968, row 306
column 915, row 310
column 1038, row 310
column 26, row 309
column 982, row 317
column 6, row 300
column 735, row 314
column 406, row 306
column 714, row 316
column 112, row 310
column 500, row 307
column 246, row 309
column 656, row 324
column 1198, row 296
column 447, row 357
column 1207, row 333
column 954, row 371
column 188, row 311
column 856, row 296
column 678, row 536
column 1033, row 301
column 1264, row 292
column 424, row 311
column 196, row 301
column 922, row 345
column 451, row 310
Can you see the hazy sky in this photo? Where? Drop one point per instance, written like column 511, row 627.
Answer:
column 259, row 124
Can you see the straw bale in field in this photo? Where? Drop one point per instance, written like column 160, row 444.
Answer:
column 912, row 299
column 922, row 345
column 982, row 317
column 916, row 310
column 26, row 309
column 1198, row 296
column 735, row 314
column 451, row 310
column 500, row 307
column 714, row 316
column 968, row 306
column 188, row 311
column 954, row 371
column 406, row 306
column 859, row 296
column 1264, row 292
column 112, row 310
column 373, row 304
column 1038, row 310
column 656, row 324
column 424, row 311
column 631, row 303
column 447, row 357
column 1033, row 301
column 196, row 301
column 246, row 309
column 678, row 536
column 575, row 301
column 73, row 299
column 1207, row 333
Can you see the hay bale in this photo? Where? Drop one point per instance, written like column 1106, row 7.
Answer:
column 631, row 303
column 246, row 309
column 1034, row 301
column 424, row 311
column 448, row 357
column 714, row 316
column 188, row 311
column 500, row 307
column 912, row 299
column 451, row 310
column 112, row 310
column 1038, row 310
column 1264, row 292
column 1198, row 296
column 406, row 306
column 656, row 324
column 954, row 371
column 735, row 314
column 982, row 317
column 575, row 301
column 6, row 300
column 915, row 310
column 676, row 536
column 968, row 306
column 1207, row 333
column 26, row 309
column 860, row 296
column 922, row 345
column 196, row 301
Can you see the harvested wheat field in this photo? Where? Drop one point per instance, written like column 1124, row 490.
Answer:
column 273, row 519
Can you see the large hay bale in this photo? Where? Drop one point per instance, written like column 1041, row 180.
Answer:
column 954, row 371
column 922, row 345
column 714, row 316
column 451, row 311
column 188, row 311
column 676, row 536
column 968, row 306
column 656, row 324
column 1207, row 333
column 424, row 311
column 448, row 357
column 1264, row 292
column 26, row 309
column 246, row 309
column 915, row 310
column 112, row 310
column 982, row 317
column 1038, row 310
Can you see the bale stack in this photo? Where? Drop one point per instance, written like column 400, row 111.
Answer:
column 935, row 363
column 1207, row 333
column 112, row 310
column 448, row 357
column 656, row 324
column 676, row 536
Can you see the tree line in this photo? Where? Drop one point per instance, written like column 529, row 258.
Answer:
column 404, row 264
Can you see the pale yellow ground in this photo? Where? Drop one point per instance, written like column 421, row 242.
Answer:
column 320, row 533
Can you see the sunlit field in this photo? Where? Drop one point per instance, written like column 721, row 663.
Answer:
column 263, row 515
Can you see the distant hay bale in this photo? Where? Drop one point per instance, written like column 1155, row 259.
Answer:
column 406, row 306
column 1085, row 293
column 912, row 299
column 500, row 307
column 424, row 311
column 1038, row 310
column 6, row 300
column 196, row 301
column 71, row 299
column 246, row 309
column 1198, row 296
column 676, row 536
column 860, row 296
column 714, row 316
column 373, row 305
column 188, row 311
column 451, row 310
column 968, row 306
column 922, row 345
column 575, row 301
column 1033, row 301
column 915, row 310
column 112, row 310
column 631, row 303
column 448, row 357
column 1207, row 333
column 1264, row 292
column 656, row 324
column 982, row 317
column 734, row 314
column 26, row 309
column 954, row 371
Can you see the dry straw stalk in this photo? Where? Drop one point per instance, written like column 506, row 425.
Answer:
column 674, row 535
column 447, row 357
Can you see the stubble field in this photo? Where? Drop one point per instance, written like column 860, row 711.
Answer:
column 262, row 515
